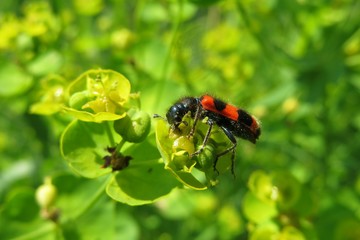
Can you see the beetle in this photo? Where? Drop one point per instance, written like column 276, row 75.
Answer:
column 233, row 121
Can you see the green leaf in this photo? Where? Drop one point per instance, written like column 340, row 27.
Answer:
column 162, row 139
column 187, row 179
column 13, row 80
column 82, row 145
column 141, row 183
column 145, row 179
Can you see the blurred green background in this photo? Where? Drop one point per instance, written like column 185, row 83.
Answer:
column 293, row 64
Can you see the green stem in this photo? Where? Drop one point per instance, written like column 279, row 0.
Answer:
column 92, row 202
column 109, row 133
column 120, row 145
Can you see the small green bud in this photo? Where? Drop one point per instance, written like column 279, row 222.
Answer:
column 206, row 158
column 181, row 161
column 46, row 193
column 79, row 99
column 134, row 127
column 183, row 143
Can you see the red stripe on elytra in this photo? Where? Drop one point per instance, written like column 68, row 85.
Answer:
column 255, row 125
column 229, row 111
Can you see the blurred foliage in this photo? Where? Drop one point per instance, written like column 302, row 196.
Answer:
column 293, row 64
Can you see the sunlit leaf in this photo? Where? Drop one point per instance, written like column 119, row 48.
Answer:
column 141, row 184
column 82, row 145
column 188, row 179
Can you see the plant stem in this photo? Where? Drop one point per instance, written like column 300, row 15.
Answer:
column 109, row 133
column 92, row 202
column 120, row 145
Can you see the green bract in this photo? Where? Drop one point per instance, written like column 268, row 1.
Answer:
column 82, row 146
column 176, row 150
column 98, row 95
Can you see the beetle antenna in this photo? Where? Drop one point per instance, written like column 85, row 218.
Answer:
column 158, row 116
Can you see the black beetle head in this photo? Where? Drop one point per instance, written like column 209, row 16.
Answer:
column 177, row 111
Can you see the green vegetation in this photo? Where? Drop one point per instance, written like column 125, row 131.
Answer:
column 82, row 158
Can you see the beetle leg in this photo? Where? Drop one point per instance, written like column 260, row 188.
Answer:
column 196, row 118
column 206, row 139
column 230, row 149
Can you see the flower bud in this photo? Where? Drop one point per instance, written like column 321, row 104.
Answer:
column 206, row 158
column 134, row 127
column 46, row 193
column 183, row 143
column 79, row 99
